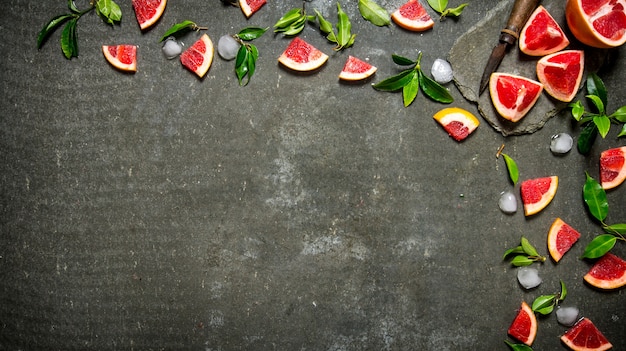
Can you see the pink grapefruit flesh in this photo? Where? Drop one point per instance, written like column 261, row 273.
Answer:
column 538, row 193
column 585, row 336
column 148, row 12
column 122, row 57
column 609, row 272
column 459, row 123
column 524, row 326
column 199, row 56
column 542, row 35
column 356, row 69
column 302, row 56
column 413, row 16
column 612, row 167
column 561, row 73
column 513, row 96
column 561, row 238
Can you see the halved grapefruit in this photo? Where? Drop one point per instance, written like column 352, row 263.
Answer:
column 249, row 7
column 561, row 238
column 541, row 34
column 512, row 95
column 585, row 336
column 356, row 69
column 524, row 326
column 459, row 123
column 597, row 23
column 122, row 57
column 537, row 193
column 302, row 56
column 199, row 56
column 413, row 16
column 561, row 73
column 612, row 167
column 609, row 272
column 148, row 12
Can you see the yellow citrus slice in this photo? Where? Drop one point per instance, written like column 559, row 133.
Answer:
column 413, row 16
column 122, row 57
column 199, row 56
column 356, row 69
column 609, row 272
column 249, row 7
column 538, row 193
column 148, row 12
column 302, row 56
column 459, row 123
column 524, row 326
column 561, row 238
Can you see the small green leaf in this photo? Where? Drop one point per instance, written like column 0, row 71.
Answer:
column 109, row 11
column 251, row 33
column 295, row 28
column 619, row 114
column 597, row 102
column 544, row 304
column 599, row 246
column 344, row 28
column 622, row 132
column 577, row 110
column 288, row 19
column 434, row 90
column 520, row 261
column 518, row 347
column 595, row 86
column 604, row 125
column 456, row 12
column 179, row 28
column 242, row 58
column 69, row 41
column 395, row 82
column 513, row 251
column 72, row 6
column 402, row 61
column 616, row 228
column 325, row 26
column 563, row 293
column 512, row 168
column 595, row 198
column 53, row 24
column 528, row 248
column 586, row 138
column 374, row 13
column 438, row 5
column 410, row 90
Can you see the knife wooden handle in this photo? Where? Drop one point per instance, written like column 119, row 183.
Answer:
column 522, row 9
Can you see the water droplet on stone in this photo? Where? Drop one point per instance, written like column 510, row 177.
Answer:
column 441, row 71
column 567, row 316
column 561, row 143
column 227, row 47
column 171, row 48
column 528, row 277
column 508, row 202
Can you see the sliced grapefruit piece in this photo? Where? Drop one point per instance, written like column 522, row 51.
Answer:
column 612, row 167
column 302, row 56
column 537, row 193
column 459, row 123
column 561, row 73
column 249, row 7
column 524, row 326
column 199, row 56
column 356, row 69
column 585, row 336
column 513, row 96
column 413, row 16
column 561, row 238
column 609, row 272
column 542, row 35
column 122, row 57
column 597, row 23
column 148, row 12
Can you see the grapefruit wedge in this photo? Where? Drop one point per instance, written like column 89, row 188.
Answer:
column 302, row 56
column 561, row 238
column 609, row 272
column 561, row 73
column 537, row 193
column 513, row 96
column 199, row 56
column 542, row 35
column 524, row 326
column 249, row 7
column 612, row 167
column 585, row 336
column 148, row 12
column 122, row 57
column 597, row 23
column 356, row 69
column 459, row 123
column 413, row 16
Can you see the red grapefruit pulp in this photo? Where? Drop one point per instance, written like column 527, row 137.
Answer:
column 538, row 193
column 302, row 56
column 612, row 167
column 122, row 57
column 148, row 12
column 597, row 23
column 585, row 336
column 524, row 326
column 513, row 96
column 561, row 73
column 459, row 123
column 249, row 7
column 542, row 35
column 609, row 272
column 356, row 69
column 413, row 16
column 199, row 56
column 561, row 238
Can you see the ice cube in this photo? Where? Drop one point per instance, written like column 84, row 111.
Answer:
column 171, row 48
column 441, row 71
column 508, row 202
column 528, row 277
column 561, row 143
column 227, row 47
column 567, row 315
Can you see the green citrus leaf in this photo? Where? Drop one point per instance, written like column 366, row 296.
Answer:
column 563, row 293
column 512, row 168
column 69, row 41
column 109, row 11
column 597, row 102
column 599, row 246
column 434, row 90
column 544, row 304
column 395, row 82
column 456, row 12
column 53, row 24
column 528, row 248
column 374, row 13
column 604, row 125
column 619, row 114
column 586, row 138
column 72, row 6
column 438, row 5
column 409, row 91
column 520, row 261
column 325, row 26
column 595, row 198
column 619, row 228
column 595, row 86
column 344, row 28
column 622, row 132
column 518, row 347
column 513, row 251
column 577, row 110
column 402, row 61
column 288, row 19
column 179, row 28
column 295, row 28
column 251, row 33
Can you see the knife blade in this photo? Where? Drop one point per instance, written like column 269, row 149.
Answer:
column 522, row 9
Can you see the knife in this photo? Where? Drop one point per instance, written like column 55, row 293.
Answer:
column 522, row 9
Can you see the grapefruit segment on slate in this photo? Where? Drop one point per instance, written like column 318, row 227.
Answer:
column 512, row 95
column 148, row 12
column 122, row 57
column 542, row 35
column 524, row 326
column 459, row 123
column 249, row 7
column 597, row 23
column 538, row 193
column 561, row 73
column 609, row 272
column 302, row 56
column 612, row 167
column 561, row 238
column 585, row 336
column 356, row 69
column 199, row 56
column 413, row 16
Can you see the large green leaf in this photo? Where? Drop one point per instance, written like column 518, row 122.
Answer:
column 49, row 27
column 374, row 13
column 69, row 41
column 595, row 198
column 395, row 82
column 599, row 246
column 409, row 91
column 434, row 90
column 595, row 86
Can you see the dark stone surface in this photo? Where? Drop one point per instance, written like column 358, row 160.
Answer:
column 159, row 211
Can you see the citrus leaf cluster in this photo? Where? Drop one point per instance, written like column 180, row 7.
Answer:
column 108, row 10
column 441, row 6
column 181, row 27
column 374, row 13
column 245, row 61
column 598, row 121
column 411, row 80
column 524, row 254
column 292, row 22
column 545, row 304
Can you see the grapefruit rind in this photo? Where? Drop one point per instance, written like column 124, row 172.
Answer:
column 542, row 35
column 608, row 265
column 249, row 10
column 516, row 90
column 617, row 174
column 115, row 61
column 584, row 331
column 309, row 57
column 557, row 76
column 582, row 26
column 519, row 329
column 145, row 23
column 530, row 187
column 559, row 243
column 413, row 16
column 203, row 47
column 355, row 69
column 459, row 123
